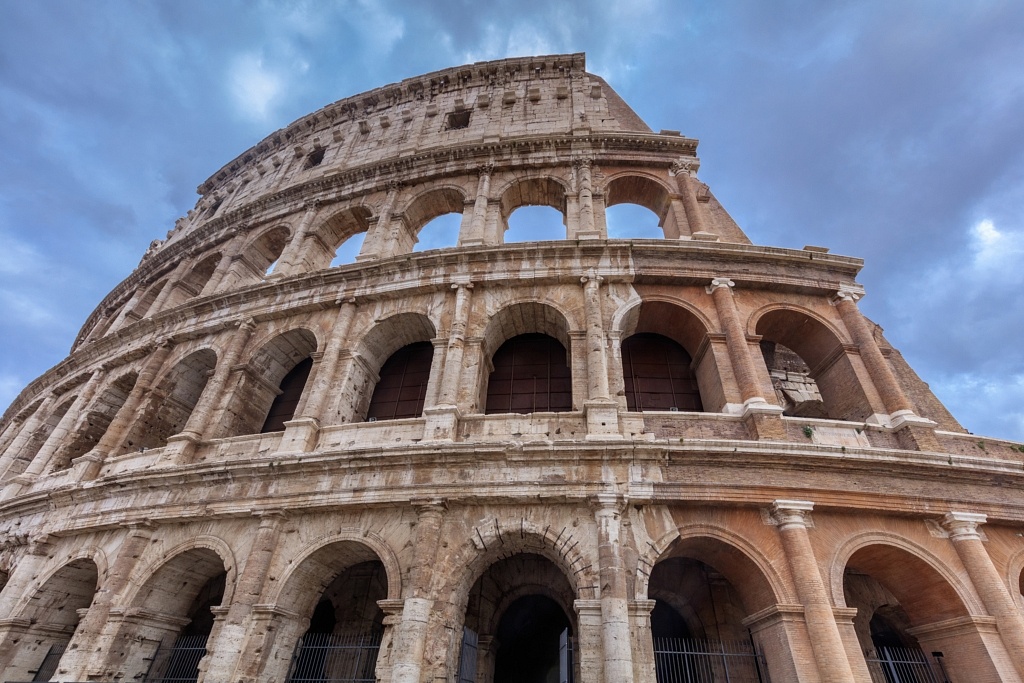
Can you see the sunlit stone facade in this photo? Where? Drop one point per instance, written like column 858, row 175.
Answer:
column 493, row 461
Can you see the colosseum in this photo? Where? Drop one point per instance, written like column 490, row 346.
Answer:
column 578, row 459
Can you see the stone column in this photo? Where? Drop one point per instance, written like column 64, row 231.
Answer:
column 597, row 358
column 823, row 632
column 23, row 581
column 615, row 636
column 228, row 255
column 301, row 431
column 963, row 532
column 478, row 226
column 442, row 419
column 736, row 340
column 585, row 196
column 122, row 422
column 643, row 642
column 379, row 231
column 456, row 344
column 183, row 445
column 57, row 438
column 683, row 171
column 889, row 389
column 173, row 279
column 232, row 648
column 288, row 261
column 411, row 632
column 34, row 421
column 602, row 412
column 88, row 648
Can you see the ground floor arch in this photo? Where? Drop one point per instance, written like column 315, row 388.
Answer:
column 519, row 624
column 911, row 620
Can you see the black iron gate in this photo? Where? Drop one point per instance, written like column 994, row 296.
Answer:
column 902, row 665
column 689, row 660
column 178, row 663
column 50, row 661
column 330, row 658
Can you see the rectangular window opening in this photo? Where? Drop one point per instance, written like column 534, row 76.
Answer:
column 458, row 119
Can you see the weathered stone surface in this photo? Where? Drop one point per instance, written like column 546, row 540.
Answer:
column 778, row 476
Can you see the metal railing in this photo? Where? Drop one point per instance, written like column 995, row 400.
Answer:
column 178, row 663
column 329, row 658
column 901, row 665
column 691, row 660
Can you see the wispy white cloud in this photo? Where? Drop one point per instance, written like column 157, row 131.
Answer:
column 995, row 248
column 254, row 88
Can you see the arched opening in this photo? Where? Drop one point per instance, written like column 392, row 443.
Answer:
column 818, row 367
column 50, row 621
column 262, row 253
column 669, row 340
column 539, row 206
column 175, row 618
column 37, row 439
column 402, row 386
column 703, row 590
column 435, row 218
column 639, row 206
column 145, row 303
column 345, row 630
column 439, row 233
column 530, row 375
column 168, row 407
column 796, row 390
column 338, row 625
column 337, row 240
column 376, row 348
column 519, row 624
column 657, row 374
column 632, row 221
column 534, row 224
column 94, row 424
column 348, row 250
column 902, row 603
column 193, row 283
column 287, row 401
column 264, row 380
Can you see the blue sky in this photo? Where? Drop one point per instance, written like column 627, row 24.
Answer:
column 893, row 131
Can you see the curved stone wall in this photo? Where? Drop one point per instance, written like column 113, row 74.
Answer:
column 244, row 432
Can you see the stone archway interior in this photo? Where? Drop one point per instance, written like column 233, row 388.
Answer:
column 520, row 611
column 345, row 628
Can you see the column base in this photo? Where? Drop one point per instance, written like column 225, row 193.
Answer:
column 180, row 449
column 300, row 435
column 914, row 433
column 442, row 423
column 602, row 420
column 87, row 467
column 763, row 420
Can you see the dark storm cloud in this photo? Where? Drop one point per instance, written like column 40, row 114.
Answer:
column 890, row 131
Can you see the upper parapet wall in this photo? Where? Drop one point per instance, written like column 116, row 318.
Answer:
column 483, row 103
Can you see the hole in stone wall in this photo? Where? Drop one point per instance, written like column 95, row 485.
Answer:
column 316, row 157
column 458, row 119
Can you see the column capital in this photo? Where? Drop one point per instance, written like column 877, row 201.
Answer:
column 458, row 285
column 719, row 282
column 485, row 169
column 963, row 526
column 426, row 507
column 791, row 513
column 596, row 280
column 311, row 205
column 685, row 167
column 583, row 161
column 848, row 292
column 607, row 503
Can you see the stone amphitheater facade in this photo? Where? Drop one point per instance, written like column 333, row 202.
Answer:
column 493, row 462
